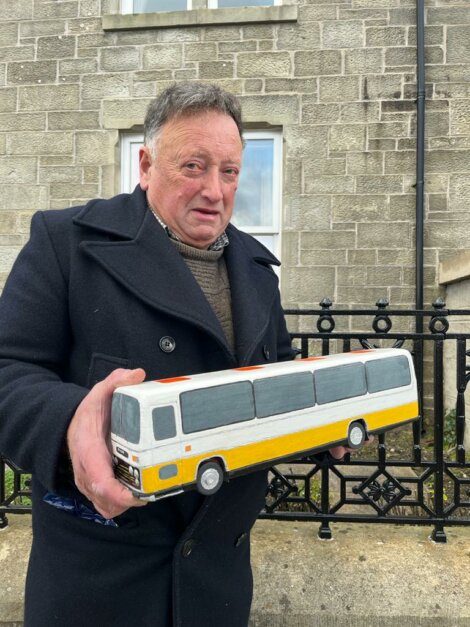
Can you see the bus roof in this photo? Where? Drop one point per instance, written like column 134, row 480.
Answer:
column 173, row 386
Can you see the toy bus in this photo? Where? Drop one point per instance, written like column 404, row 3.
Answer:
column 196, row 431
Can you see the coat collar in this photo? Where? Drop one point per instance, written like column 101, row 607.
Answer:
column 142, row 258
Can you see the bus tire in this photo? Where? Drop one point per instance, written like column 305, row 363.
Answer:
column 356, row 435
column 210, row 477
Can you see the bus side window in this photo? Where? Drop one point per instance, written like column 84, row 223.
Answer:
column 287, row 392
column 385, row 374
column 217, row 406
column 164, row 425
column 340, row 382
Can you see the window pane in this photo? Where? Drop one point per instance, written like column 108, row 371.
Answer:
column 254, row 199
column 164, row 425
column 385, row 374
column 150, row 6
column 245, row 3
column 130, row 419
column 288, row 392
column 116, row 414
column 334, row 384
column 217, row 406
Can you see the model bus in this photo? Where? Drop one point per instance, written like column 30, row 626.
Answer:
column 196, row 431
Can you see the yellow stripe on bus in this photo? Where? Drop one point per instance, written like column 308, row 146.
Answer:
column 245, row 455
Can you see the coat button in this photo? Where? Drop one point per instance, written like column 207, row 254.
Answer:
column 167, row 344
column 241, row 539
column 266, row 351
column 187, row 548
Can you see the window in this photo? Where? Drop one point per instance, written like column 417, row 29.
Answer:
column 221, row 4
column 125, row 417
column 258, row 200
column 163, row 419
column 288, row 392
column 340, row 382
column 153, row 6
column 385, row 374
column 217, row 406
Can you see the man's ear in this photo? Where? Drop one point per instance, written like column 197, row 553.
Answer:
column 145, row 161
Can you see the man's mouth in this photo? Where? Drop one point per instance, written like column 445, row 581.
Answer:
column 206, row 214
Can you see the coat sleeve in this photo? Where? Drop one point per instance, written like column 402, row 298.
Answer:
column 36, row 405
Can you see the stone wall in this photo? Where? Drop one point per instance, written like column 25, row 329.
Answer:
column 338, row 76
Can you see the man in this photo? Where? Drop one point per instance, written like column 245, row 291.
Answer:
column 149, row 285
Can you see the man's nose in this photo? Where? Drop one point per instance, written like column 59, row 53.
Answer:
column 212, row 185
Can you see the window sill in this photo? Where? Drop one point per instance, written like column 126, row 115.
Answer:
column 201, row 17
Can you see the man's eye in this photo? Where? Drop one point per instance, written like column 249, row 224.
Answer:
column 192, row 166
column 231, row 171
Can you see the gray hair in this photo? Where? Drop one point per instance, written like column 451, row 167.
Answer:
column 188, row 99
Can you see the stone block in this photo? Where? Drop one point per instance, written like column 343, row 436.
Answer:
column 451, row 15
column 22, row 121
column 295, row 85
column 200, row 52
column 437, row 202
column 448, row 161
column 434, row 35
column 364, row 61
column 83, row 26
column 71, row 190
column 400, row 162
column 223, row 33
column 32, row 72
column 153, row 75
column 265, row 45
column 290, row 249
column 260, row 65
column 95, row 147
column 55, row 47
column 385, row 36
column 402, row 207
column 365, row 163
column 372, row 184
column 460, row 117
column 360, row 112
column 308, row 212
column 46, row 10
column 173, row 35
column 273, row 109
column 437, row 124
column 13, row 10
column 356, row 208
column 8, row 222
column 407, row 56
column 105, row 86
column 381, row 144
column 388, row 129
column 458, row 44
column 343, row 34
column 339, row 89
column 357, row 295
column 21, row 197
column 304, row 285
column 299, row 37
column 328, row 240
column 384, row 235
column 49, row 97
column 459, row 192
column 91, row 174
column 362, row 257
column 77, row 66
column 235, row 46
column 36, row 143
column 344, row 137
column 41, row 28
column 87, row 8
column 320, row 113
column 119, row 59
column 8, row 34
column 403, row 16
column 18, row 169
column 385, row 276
column 73, row 120
column 314, row 166
column 304, row 141
column 322, row 257
column 17, row 53
column 3, row 143
column 258, row 31
column 317, row 62
column 215, row 69
column 330, row 185
column 162, row 56
column 292, row 176
column 350, row 275
column 254, row 85
column 58, row 174
column 369, row 14
column 452, row 235
column 385, row 87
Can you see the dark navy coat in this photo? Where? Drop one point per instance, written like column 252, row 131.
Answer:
column 96, row 288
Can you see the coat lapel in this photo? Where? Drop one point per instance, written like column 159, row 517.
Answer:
column 145, row 261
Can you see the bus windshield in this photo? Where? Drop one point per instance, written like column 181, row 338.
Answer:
column 125, row 417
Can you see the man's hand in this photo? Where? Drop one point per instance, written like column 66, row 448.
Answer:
column 338, row 452
column 87, row 438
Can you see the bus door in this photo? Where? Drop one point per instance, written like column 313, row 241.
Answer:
column 167, row 447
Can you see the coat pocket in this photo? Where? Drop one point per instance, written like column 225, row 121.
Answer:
column 102, row 365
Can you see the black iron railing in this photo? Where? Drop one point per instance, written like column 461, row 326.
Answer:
column 415, row 475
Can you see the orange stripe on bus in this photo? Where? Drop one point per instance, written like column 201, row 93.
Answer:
column 248, row 368
column 172, row 379
column 311, row 358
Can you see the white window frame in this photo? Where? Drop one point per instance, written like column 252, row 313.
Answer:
column 214, row 4
column 130, row 142
column 127, row 6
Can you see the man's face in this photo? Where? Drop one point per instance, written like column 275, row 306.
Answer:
column 193, row 179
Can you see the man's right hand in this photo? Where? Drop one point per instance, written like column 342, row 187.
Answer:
column 87, row 438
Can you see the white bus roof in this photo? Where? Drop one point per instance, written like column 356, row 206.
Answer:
column 175, row 385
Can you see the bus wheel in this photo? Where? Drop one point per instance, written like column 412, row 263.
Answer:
column 356, row 435
column 209, row 478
